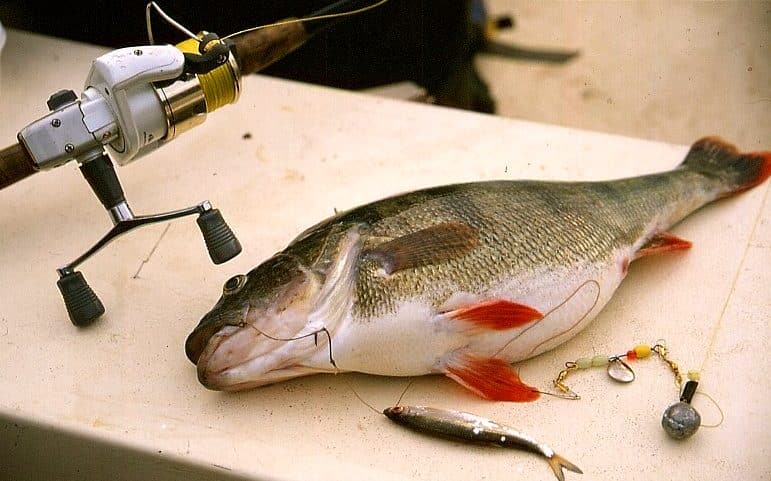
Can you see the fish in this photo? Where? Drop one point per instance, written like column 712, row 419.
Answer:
column 469, row 427
column 460, row 280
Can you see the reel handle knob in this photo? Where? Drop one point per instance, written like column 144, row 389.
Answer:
column 220, row 240
column 83, row 306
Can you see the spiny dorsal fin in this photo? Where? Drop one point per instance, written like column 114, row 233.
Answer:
column 432, row 245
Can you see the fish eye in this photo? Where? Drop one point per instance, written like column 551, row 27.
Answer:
column 234, row 284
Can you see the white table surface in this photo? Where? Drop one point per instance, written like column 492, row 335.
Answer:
column 120, row 400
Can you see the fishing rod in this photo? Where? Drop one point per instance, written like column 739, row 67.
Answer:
column 137, row 99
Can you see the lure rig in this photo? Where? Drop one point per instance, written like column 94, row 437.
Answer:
column 680, row 420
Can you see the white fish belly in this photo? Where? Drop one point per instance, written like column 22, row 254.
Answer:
column 569, row 302
column 416, row 339
column 405, row 343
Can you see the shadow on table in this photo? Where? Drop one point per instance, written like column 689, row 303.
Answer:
column 34, row 451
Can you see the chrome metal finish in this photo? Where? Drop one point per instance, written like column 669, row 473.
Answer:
column 74, row 131
column 127, row 225
column 120, row 212
column 233, row 64
column 185, row 105
column 58, row 137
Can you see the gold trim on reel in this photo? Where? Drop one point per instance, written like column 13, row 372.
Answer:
column 188, row 100
column 222, row 85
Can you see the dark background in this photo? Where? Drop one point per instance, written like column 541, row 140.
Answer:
column 429, row 42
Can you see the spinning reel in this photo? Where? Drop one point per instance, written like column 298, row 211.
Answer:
column 135, row 100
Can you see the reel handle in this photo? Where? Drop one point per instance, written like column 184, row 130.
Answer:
column 220, row 241
column 82, row 304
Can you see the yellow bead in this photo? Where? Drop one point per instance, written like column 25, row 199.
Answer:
column 642, row 350
column 598, row 361
column 694, row 375
column 584, row 362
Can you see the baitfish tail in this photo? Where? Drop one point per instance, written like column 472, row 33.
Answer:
column 557, row 463
column 735, row 171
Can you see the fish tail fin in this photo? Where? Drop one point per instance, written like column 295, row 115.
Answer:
column 557, row 463
column 736, row 171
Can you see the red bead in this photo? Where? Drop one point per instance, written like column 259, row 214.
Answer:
column 631, row 355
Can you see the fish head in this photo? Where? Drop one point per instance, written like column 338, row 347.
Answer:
column 259, row 331
column 404, row 414
column 395, row 412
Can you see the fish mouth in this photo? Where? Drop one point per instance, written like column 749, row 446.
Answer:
column 241, row 357
column 394, row 412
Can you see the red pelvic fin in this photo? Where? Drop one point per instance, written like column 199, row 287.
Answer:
column 496, row 314
column 491, row 378
column 663, row 242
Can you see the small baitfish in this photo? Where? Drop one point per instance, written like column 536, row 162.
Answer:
column 460, row 280
column 470, row 427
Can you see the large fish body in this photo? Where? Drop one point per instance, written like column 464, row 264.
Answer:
column 460, row 280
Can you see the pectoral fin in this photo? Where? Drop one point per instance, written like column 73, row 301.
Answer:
column 428, row 246
column 663, row 242
column 491, row 378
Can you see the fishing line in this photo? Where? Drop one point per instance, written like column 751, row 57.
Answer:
column 375, row 410
column 307, row 19
column 152, row 5
column 680, row 420
column 315, row 335
column 171, row 21
column 694, row 376
column 570, row 395
column 573, row 294
column 361, row 399
column 716, row 328
column 594, row 303
column 332, row 361
column 720, row 410
column 399, row 401
column 674, row 429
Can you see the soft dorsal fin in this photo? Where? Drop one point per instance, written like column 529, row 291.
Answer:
column 663, row 242
column 491, row 378
column 495, row 314
column 428, row 246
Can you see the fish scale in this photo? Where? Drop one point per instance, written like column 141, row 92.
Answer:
column 549, row 237
column 460, row 280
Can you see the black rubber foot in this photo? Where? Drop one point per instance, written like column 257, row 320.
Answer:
column 82, row 304
column 220, row 240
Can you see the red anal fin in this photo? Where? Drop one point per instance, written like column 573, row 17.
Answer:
column 663, row 242
column 490, row 378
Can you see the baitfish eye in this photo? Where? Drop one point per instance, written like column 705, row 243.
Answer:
column 234, row 284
